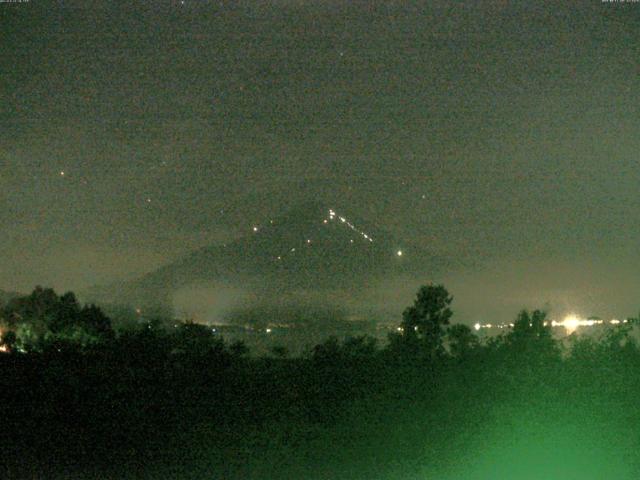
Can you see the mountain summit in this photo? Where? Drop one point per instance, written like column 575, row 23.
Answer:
column 311, row 247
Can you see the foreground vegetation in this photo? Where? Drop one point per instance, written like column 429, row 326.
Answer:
column 80, row 400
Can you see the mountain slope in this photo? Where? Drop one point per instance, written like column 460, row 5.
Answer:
column 311, row 248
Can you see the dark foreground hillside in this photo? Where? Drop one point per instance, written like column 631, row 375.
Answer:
column 137, row 411
column 179, row 403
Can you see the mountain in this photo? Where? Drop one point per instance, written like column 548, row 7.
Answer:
column 312, row 249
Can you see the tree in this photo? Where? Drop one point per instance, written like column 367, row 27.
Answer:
column 43, row 317
column 327, row 352
column 41, row 306
column 196, row 339
column 531, row 326
column 67, row 313
column 531, row 338
column 239, row 349
column 8, row 341
column 94, row 321
column 280, row 351
column 359, row 347
column 462, row 341
column 425, row 320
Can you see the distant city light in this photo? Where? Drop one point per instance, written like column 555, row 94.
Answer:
column 399, row 253
column 255, row 229
column 571, row 323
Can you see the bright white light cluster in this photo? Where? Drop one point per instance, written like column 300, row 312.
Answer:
column 479, row 326
column 309, row 241
column 332, row 216
column 570, row 323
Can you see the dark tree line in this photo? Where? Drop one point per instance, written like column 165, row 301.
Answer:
column 174, row 400
column 44, row 319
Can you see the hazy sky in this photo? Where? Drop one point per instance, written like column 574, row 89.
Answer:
column 503, row 132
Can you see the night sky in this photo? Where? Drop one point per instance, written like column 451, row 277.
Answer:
column 503, row 135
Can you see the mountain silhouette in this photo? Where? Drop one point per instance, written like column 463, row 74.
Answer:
column 311, row 247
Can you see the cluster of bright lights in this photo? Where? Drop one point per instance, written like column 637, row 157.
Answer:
column 570, row 323
column 479, row 326
column 332, row 216
column 309, row 241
